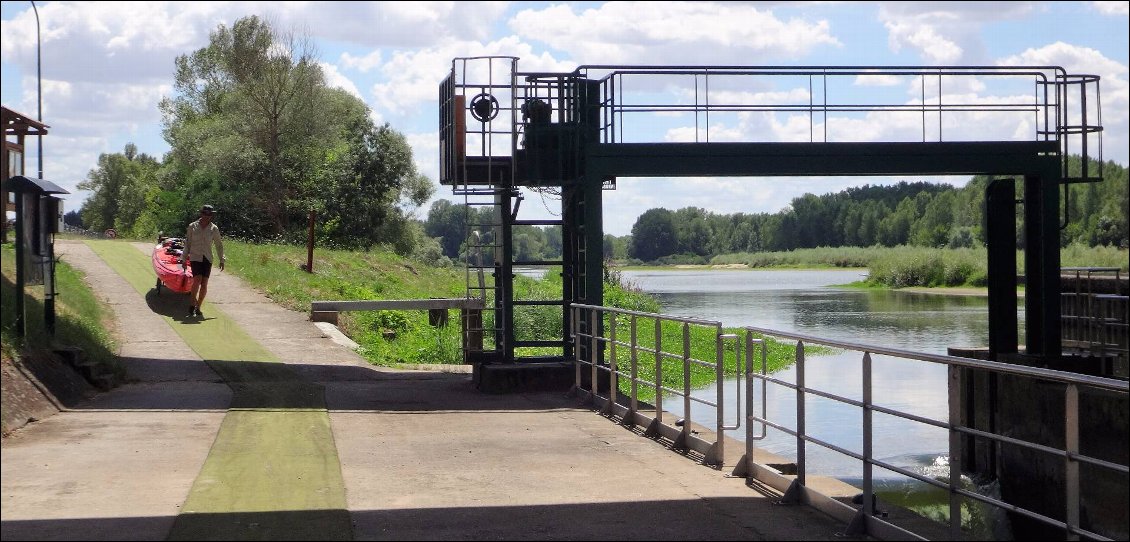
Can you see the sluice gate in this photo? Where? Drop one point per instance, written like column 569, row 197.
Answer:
column 506, row 134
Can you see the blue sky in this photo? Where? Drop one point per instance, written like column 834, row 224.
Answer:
column 106, row 65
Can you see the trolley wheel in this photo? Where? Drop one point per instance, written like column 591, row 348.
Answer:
column 158, row 286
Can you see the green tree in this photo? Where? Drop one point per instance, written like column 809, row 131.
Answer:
column 255, row 130
column 119, row 188
column 932, row 229
column 653, row 235
column 447, row 222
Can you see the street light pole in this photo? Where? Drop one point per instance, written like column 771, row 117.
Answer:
column 39, row 83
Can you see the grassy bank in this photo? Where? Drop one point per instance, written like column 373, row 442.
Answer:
column 905, row 266
column 81, row 319
column 391, row 338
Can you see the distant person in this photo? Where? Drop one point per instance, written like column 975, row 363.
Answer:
column 198, row 241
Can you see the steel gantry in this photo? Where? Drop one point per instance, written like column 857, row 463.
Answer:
column 503, row 131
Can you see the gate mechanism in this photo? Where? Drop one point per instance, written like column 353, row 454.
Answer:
column 572, row 134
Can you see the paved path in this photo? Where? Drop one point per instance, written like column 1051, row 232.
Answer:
column 253, row 425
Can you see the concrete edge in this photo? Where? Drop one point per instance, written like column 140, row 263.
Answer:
column 333, row 333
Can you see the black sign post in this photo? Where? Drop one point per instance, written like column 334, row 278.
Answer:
column 38, row 215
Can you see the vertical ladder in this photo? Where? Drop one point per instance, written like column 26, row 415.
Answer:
column 483, row 242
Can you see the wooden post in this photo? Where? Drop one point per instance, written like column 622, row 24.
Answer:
column 310, row 244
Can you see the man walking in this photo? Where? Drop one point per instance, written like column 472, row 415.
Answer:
column 198, row 241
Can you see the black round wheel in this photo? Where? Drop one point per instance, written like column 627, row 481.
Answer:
column 158, row 286
column 484, row 107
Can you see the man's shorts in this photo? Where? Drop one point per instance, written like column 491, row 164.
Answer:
column 201, row 269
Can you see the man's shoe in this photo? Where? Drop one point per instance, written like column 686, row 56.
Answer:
column 198, row 313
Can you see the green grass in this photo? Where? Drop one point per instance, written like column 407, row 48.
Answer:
column 702, row 348
column 387, row 338
column 905, row 266
column 81, row 319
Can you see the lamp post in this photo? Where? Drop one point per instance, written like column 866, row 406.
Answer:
column 39, row 84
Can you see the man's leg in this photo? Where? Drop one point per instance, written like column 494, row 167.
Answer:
column 197, row 285
column 203, row 294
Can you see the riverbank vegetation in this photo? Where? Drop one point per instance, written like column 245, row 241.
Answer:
column 909, row 266
column 911, row 214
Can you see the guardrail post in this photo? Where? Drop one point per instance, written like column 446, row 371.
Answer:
column 573, row 329
column 686, row 433
column 955, row 451
column 1071, row 466
column 613, row 387
column 717, row 453
column 658, row 371
column 593, row 349
column 744, row 467
column 800, row 467
column 635, row 374
column 868, row 501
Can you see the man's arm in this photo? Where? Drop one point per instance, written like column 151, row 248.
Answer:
column 219, row 247
column 187, row 247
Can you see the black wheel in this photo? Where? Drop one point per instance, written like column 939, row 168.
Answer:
column 158, row 286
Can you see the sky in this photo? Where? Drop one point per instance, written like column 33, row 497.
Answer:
column 106, row 65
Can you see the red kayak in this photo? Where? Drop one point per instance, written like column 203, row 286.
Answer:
column 167, row 256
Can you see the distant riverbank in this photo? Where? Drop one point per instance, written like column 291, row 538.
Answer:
column 974, row 291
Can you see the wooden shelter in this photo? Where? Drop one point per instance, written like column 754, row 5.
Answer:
column 17, row 126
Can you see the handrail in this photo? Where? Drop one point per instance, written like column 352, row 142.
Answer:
column 586, row 320
column 865, row 520
column 591, row 337
column 1008, row 368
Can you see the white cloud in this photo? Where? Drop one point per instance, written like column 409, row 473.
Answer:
column 361, row 63
column 395, row 24
column 336, row 79
column 1114, row 85
column 878, row 80
column 671, row 32
column 413, row 77
column 946, row 32
column 936, row 48
column 1118, row 8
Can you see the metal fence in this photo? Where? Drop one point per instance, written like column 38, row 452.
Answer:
column 1095, row 307
column 614, row 345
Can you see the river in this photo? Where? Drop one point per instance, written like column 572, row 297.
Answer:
column 810, row 302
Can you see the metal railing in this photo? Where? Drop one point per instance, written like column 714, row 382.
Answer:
column 1045, row 101
column 865, row 521
column 1095, row 309
column 602, row 354
column 600, row 347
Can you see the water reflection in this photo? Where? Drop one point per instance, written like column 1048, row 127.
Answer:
column 808, row 302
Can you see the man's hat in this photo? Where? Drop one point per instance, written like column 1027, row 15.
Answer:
column 207, row 209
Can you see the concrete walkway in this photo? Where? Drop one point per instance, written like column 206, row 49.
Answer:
column 199, row 447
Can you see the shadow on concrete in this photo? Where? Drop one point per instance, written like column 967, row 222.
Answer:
column 723, row 518
column 186, row 384
column 170, row 304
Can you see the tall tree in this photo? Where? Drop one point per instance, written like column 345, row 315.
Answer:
column 254, row 129
column 653, row 235
column 119, row 189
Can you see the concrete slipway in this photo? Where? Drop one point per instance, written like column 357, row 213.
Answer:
column 253, row 424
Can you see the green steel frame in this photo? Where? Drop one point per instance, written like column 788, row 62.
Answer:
column 502, row 130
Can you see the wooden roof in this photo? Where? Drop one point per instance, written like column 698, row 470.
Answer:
column 20, row 124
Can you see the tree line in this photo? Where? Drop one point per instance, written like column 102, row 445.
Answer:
column 255, row 130
column 903, row 214
column 906, row 213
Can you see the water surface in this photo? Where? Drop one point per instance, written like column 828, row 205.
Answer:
column 810, row 302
